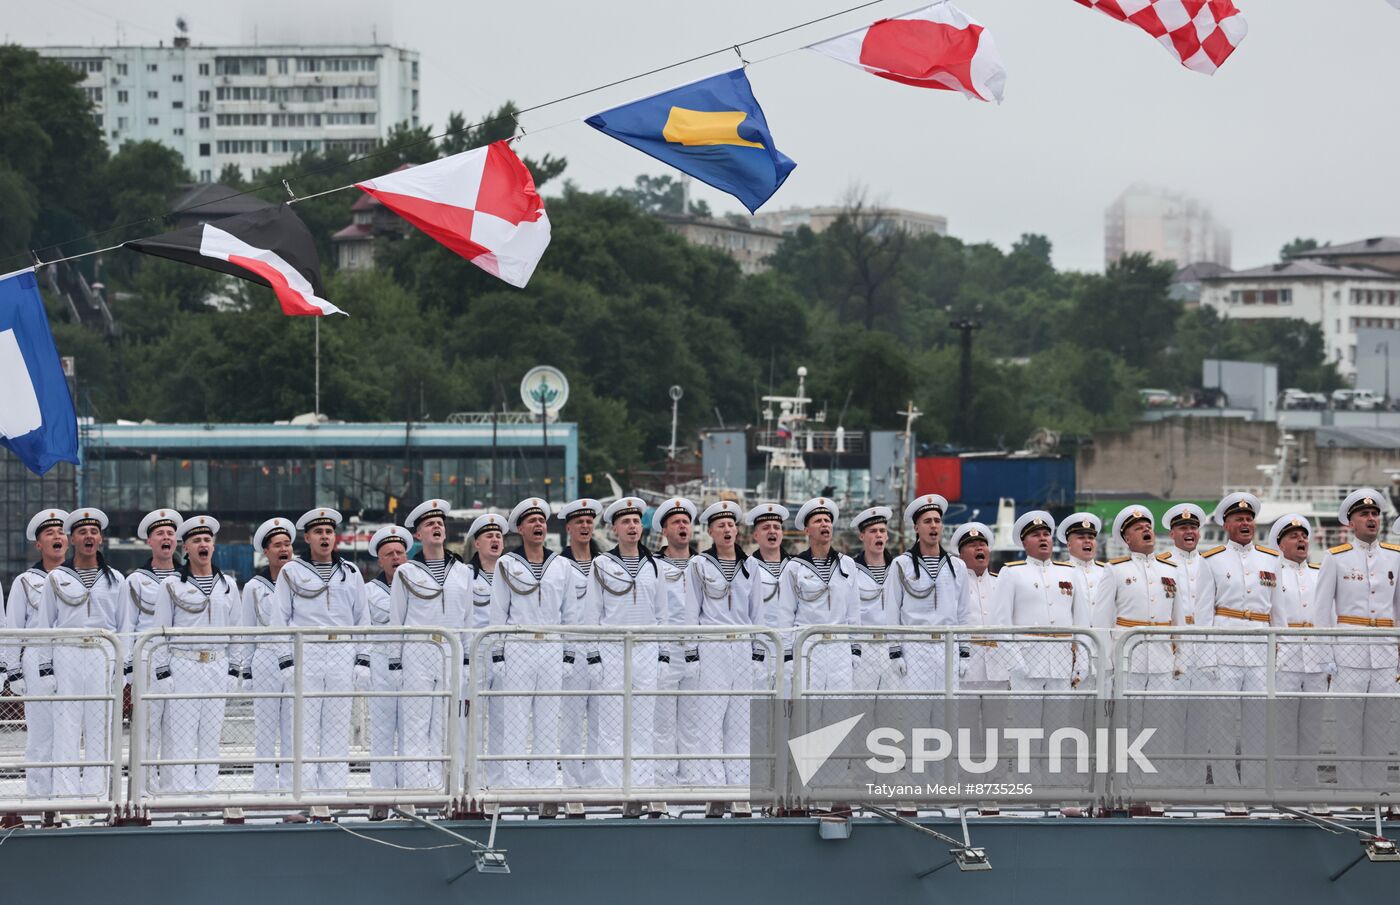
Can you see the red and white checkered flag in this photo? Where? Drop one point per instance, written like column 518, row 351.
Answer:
column 1201, row 34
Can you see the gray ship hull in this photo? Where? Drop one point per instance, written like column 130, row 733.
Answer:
column 680, row 862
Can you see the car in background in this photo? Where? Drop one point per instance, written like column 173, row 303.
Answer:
column 1296, row 399
column 1158, row 399
column 1357, row 400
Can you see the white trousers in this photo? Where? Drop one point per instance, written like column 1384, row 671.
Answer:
column 80, row 728
column 384, row 723
column 531, row 732
column 272, row 724
column 1298, row 728
column 1366, row 727
column 193, row 726
column 422, row 719
column 38, row 725
column 1163, row 713
column 671, row 676
column 719, row 723
column 1030, row 711
column 607, row 675
column 325, row 722
column 1246, row 738
column 578, row 721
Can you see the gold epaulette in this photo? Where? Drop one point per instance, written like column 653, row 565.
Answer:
column 993, row 574
column 1313, row 565
column 1099, row 562
column 1269, row 550
column 1015, row 562
column 1340, row 548
column 1393, row 547
column 1213, row 551
column 1066, row 563
column 1119, row 560
column 1166, row 559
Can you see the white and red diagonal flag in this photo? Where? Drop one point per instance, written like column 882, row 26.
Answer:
column 482, row 204
column 938, row 46
column 271, row 246
column 1201, row 34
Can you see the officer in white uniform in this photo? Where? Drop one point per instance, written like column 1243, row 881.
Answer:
column 1304, row 666
column 272, row 717
column 31, row 665
column 765, row 564
column 199, row 596
column 627, row 589
column 718, row 595
column 529, row 589
column 157, row 530
column 579, row 727
column 1079, row 535
column 1140, row 590
column 872, row 663
column 817, row 587
column 324, row 592
column 389, row 546
column 674, row 519
column 84, row 594
column 983, row 660
column 486, row 534
column 927, row 589
column 1357, row 589
column 432, row 588
column 1244, row 576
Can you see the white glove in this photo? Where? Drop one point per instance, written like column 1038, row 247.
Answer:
column 361, row 677
column 898, row 665
column 570, row 659
column 289, row 676
column 235, row 680
column 17, row 683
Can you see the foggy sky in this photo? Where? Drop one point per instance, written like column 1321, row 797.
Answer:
column 1295, row 136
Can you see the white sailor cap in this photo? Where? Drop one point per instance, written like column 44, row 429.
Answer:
column 1288, row 523
column 488, row 522
column 1129, row 516
column 80, row 517
column 765, row 512
column 270, row 529
column 1183, row 514
column 1395, row 528
column 196, row 525
column 584, row 506
column 160, row 518
column 818, row 506
column 923, row 504
column 1036, row 518
column 1236, row 502
column 389, row 533
column 1079, row 523
column 49, row 518
column 313, row 518
column 723, row 509
column 424, row 510
column 1359, row 499
column 667, row 508
column 627, row 505
column 526, row 508
column 972, row 531
column 875, row 515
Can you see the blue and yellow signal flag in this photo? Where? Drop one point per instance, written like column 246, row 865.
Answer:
column 712, row 129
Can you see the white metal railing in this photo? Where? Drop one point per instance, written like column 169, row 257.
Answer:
column 208, row 725
column 61, row 744
column 1266, row 716
column 614, row 697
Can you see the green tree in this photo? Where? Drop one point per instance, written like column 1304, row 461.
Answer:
column 661, row 195
column 1297, row 247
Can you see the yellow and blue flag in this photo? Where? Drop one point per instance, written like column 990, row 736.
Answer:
column 713, row 129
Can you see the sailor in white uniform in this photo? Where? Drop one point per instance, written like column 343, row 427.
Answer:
column 1079, row 535
column 674, row 519
column 718, row 596
column 529, row 590
column 486, row 534
column 817, row 587
column 1357, row 589
column 765, row 564
column 272, row 717
column 198, row 596
column 1140, row 590
column 579, row 727
column 389, row 546
column 1304, row 666
column 627, row 589
column 872, row 663
column 927, row 589
column 983, row 660
column 138, row 594
column 84, row 594
column 31, row 665
column 324, row 592
column 1196, row 588
column 433, row 588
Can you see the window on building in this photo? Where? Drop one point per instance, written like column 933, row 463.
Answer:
column 152, row 67
column 84, row 65
column 178, row 130
column 282, row 65
column 206, row 175
column 152, row 95
column 243, row 119
column 204, row 122
column 153, row 120
column 121, row 122
column 177, row 105
column 203, row 68
column 240, row 66
column 1249, row 296
column 94, row 95
column 350, row 119
column 121, row 69
column 204, row 97
column 97, row 118
column 241, row 94
column 1285, row 296
column 241, row 146
column 204, row 150
column 123, row 97
column 177, row 77
column 1269, row 296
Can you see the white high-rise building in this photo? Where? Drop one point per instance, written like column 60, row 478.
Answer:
column 1168, row 225
column 253, row 106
